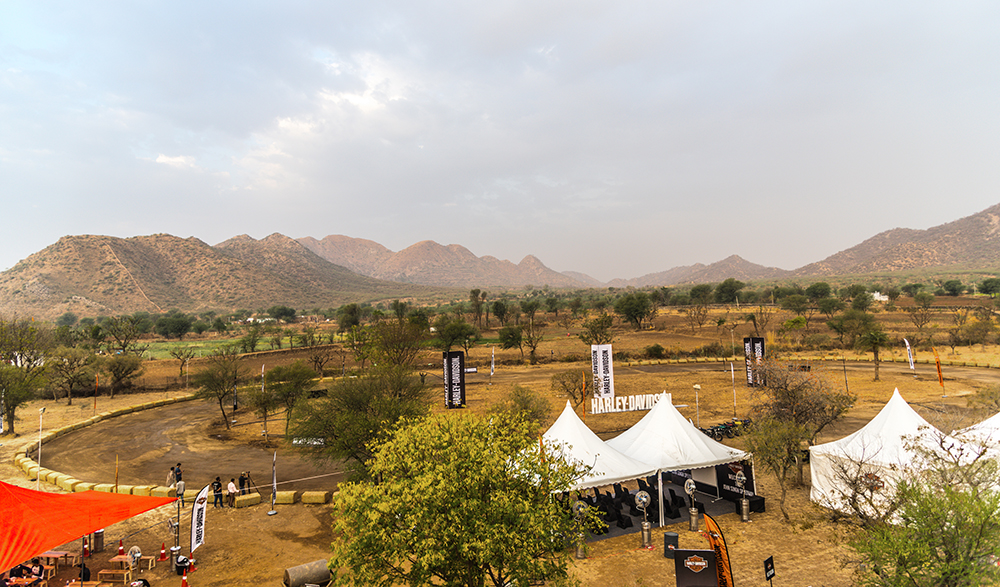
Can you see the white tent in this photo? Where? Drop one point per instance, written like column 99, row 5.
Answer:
column 877, row 452
column 666, row 439
column 985, row 433
column 578, row 443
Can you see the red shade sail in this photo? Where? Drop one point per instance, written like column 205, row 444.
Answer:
column 32, row 522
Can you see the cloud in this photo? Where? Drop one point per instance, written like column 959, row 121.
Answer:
column 180, row 162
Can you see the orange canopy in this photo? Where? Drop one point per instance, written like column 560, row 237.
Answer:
column 32, row 522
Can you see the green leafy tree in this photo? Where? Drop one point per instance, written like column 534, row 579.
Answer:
column 728, row 291
column 446, row 512
column 776, row 445
column 634, row 307
column 501, row 311
column 862, row 302
column 357, row 412
column 990, row 286
column 873, row 341
column 348, row 316
column 219, row 378
column 912, row 289
column 850, row 325
column 122, row 370
column 954, row 287
column 454, row 331
column 359, row 340
column 701, row 294
column 121, row 335
column 800, row 305
column 24, row 346
column 71, row 368
column 511, row 337
column 806, row 399
column 829, row 306
column 575, row 306
column 818, row 291
column 523, row 402
column 282, row 313
column 174, row 324
column 529, row 308
column 398, row 342
column 945, row 524
column 251, row 338
column 598, row 330
column 264, row 401
column 289, row 384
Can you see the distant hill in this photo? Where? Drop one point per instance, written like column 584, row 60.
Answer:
column 430, row 263
column 92, row 275
column 733, row 266
column 970, row 242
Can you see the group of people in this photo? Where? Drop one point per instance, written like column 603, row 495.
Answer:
column 231, row 490
column 34, row 572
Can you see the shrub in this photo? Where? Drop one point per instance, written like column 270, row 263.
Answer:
column 655, row 351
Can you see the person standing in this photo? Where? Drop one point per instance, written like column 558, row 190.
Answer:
column 171, row 480
column 243, row 483
column 177, row 472
column 217, row 493
column 180, row 492
column 232, row 492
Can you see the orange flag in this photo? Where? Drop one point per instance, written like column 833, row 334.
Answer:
column 718, row 542
column 937, row 360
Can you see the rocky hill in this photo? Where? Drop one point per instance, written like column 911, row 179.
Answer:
column 972, row 242
column 733, row 266
column 430, row 263
column 92, row 275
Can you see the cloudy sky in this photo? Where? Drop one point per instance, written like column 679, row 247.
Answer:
column 612, row 138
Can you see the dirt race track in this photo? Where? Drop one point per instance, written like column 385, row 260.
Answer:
column 248, row 547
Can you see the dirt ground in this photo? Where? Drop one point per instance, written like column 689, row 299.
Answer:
column 247, row 546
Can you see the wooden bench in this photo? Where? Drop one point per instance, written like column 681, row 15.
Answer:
column 123, row 576
column 149, row 560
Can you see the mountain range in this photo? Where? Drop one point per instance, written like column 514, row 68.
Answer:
column 93, row 275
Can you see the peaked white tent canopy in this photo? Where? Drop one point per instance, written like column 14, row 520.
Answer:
column 578, row 443
column 985, row 433
column 878, row 450
column 666, row 439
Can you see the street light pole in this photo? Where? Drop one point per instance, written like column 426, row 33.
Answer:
column 38, row 478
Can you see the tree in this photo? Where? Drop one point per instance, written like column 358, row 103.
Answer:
column 319, row 357
column 359, row 340
column 174, row 324
column 355, row 413
column 634, row 307
column 529, row 308
column 220, row 377
column 862, row 302
column 575, row 305
column 850, row 325
column 251, row 338
column 477, row 299
column 123, row 370
column 874, row 340
column 954, row 287
column 800, row 305
column 696, row 315
column 571, row 383
column 829, row 306
column 945, row 524
column 348, row 316
column 598, row 330
column 184, row 356
column 447, row 512
column 552, row 305
column 806, row 399
column 760, row 318
column 522, row 402
column 818, row 291
column 289, row 384
column 990, row 286
column 728, row 291
column 282, row 313
column 263, row 400
column 122, row 335
column 920, row 313
column 511, row 337
column 500, row 311
column 70, row 367
column 912, row 289
column 776, row 445
column 23, row 348
column 454, row 331
column 701, row 294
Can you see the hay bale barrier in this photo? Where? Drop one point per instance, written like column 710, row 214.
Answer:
column 314, row 573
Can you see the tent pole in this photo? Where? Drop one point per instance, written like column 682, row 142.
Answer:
column 659, row 484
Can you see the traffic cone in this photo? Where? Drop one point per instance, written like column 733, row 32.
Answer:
column 86, row 548
column 163, row 553
column 121, row 547
column 191, row 568
column 184, row 580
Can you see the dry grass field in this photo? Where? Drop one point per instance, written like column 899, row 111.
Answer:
column 245, row 546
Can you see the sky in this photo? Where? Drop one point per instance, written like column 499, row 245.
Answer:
column 612, row 138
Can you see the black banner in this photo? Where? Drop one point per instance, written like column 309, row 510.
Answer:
column 454, row 379
column 696, row 568
column 753, row 351
column 726, row 479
